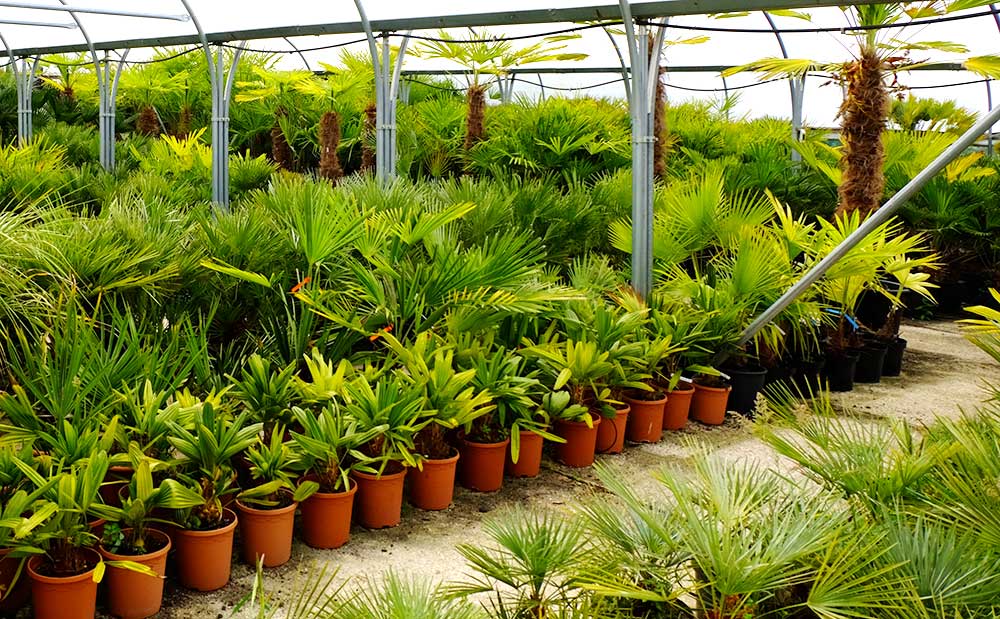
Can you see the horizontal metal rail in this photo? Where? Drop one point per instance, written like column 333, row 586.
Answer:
column 37, row 24
column 937, row 66
column 611, row 11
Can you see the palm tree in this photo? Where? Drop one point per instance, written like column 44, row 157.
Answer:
column 488, row 54
column 329, row 91
column 882, row 48
column 277, row 89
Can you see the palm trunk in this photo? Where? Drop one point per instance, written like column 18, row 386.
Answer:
column 147, row 123
column 367, row 140
column 474, row 124
column 864, row 114
column 184, row 122
column 659, row 119
column 329, row 141
column 281, row 152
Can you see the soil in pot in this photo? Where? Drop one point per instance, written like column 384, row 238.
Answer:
column 482, row 465
column 326, row 517
column 870, row 361
column 645, row 424
column 708, row 404
column 529, row 455
column 678, row 407
column 893, row 365
column 266, row 533
column 379, row 502
column 581, row 442
column 746, row 383
column 130, row 594
column 204, row 558
column 432, row 486
column 611, row 433
column 16, row 596
column 63, row 597
column 839, row 370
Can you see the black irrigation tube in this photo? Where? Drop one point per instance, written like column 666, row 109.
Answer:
column 818, row 30
column 294, row 51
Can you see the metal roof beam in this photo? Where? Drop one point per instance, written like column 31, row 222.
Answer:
column 642, row 10
column 37, row 24
column 89, row 10
column 937, row 66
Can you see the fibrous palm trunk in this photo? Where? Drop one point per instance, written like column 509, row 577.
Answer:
column 329, row 141
column 660, row 129
column 474, row 125
column 281, row 152
column 864, row 114
column 147, row 123
column 368, row 140
column 184, row 122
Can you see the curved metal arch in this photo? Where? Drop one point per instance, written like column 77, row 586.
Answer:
column 298, row 51
column 203, row 38
column 796, row 87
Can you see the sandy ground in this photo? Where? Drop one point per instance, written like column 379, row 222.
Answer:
column 942, row 374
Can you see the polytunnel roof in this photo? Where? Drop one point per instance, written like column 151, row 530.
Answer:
column 318, row 27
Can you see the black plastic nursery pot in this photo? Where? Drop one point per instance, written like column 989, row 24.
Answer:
column 870, row 360
column 893, row 365
column 807, row 377
column 746, row 383
column 781, row 373
column 839, row 370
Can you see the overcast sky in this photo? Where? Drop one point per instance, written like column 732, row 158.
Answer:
column 980, row 35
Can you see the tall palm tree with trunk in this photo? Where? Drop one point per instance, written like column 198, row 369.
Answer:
column 883, row 46
column 488, row 57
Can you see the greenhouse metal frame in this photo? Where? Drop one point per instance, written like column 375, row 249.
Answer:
column 639, row 72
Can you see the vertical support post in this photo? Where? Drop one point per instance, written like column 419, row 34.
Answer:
column 222, row 91
column 642, row 205
column 108, row 90
column 645, row 72
column 393, row 90
column 24, row 82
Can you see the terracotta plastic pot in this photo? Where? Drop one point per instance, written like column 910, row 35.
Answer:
column 482, row 465
column 529, row 456
column 14, row 597
column 645, row 424
column 204, row 558
column 708, row 405
column 581, row 442
column 326, row 518
column 675, row 411
column 130, row 594
column 380, row 499
column 611, row 432
column 70, row 597
column 266, row 533
column 433, row 486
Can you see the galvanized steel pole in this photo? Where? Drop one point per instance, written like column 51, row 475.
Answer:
column 875, row 220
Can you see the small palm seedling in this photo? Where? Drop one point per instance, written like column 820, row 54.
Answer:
column 265, row 391
column 531, row 565
column 397, row 408
column 397, row 596
column 272, row 466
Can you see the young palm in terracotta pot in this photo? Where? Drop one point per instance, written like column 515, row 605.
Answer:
column 129, row 536
column 450, row 401
column 711, row 395
column 396, row 408
column 267, row 509
column 328, row 452
column 583, row 369
column 64, row 578
column 17, row 524
column 207, row 447
column 514, row 391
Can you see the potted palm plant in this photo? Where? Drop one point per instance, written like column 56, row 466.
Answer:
column 328, row 446
column 451, row 401
column 513, row 390
column 581, row 369
column 267, row 509
column 130, row 535
column 397, row 408
column 22, row 512
column 205, row 539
